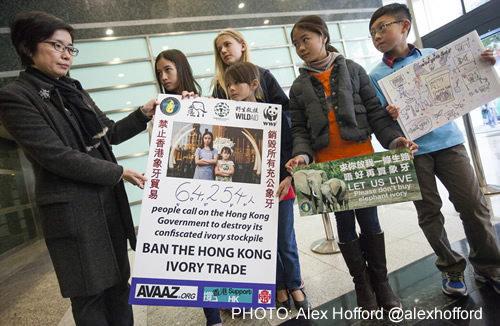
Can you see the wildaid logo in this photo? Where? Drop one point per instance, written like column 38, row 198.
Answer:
column 247, row 113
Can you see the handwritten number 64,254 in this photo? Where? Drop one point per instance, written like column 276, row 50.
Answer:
column 215, row 193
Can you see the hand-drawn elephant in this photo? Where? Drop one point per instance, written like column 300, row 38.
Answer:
column 334, row 194
column 308, row 182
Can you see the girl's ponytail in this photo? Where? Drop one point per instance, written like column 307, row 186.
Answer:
column 331, row 48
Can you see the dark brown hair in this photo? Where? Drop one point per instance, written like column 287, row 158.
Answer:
column 243, row 72
column 317, row 25
column 184, row 72
column 29, row 28
column 225, row 149
column 211, row 145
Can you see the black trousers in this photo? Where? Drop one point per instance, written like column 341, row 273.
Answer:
column 109, row 307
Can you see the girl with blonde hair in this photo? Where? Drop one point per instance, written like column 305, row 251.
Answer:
column 230, row 47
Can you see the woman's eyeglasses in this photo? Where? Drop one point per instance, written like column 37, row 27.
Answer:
column 381, row 29
column 59, row 47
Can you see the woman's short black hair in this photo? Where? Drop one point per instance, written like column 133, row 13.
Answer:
column 28, row 28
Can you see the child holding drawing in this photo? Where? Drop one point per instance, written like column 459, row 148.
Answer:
column 443, row 155
column 242, row 83
column 175, row 76
column 224, row 169
column 334, row 111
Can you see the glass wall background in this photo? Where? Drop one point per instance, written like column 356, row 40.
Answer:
column 17, row 220
column 429, row 15
column 119, row 72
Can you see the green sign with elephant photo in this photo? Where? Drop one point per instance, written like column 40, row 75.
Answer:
column 356, row 182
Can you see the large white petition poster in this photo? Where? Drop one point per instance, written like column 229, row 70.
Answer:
column 207, row 234
column 441, row 86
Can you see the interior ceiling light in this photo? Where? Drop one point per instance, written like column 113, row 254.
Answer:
column 241, row 5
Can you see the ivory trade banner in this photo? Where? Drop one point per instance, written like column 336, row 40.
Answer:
column 441, row 86
column 208, row 226
column 356, row 182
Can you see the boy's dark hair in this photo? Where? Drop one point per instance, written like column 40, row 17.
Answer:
column 225, row 149
column 317, row 25
column 397, row 10
column 29, row 28
column 184, row 72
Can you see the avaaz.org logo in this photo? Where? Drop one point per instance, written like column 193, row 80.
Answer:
column 166, row 292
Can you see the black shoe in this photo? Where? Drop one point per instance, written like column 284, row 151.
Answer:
column 304, row 304
column 280, row 305
column 283, row 305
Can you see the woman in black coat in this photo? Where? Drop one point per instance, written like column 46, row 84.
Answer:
column 79, row 186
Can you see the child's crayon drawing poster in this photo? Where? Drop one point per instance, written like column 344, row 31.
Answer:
column 441, row 86
column 204, row 241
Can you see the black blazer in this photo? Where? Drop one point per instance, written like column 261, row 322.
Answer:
column 69, row 183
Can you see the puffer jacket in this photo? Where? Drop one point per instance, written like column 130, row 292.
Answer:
column 357, row 109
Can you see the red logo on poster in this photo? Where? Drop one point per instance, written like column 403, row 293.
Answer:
column 264, row 296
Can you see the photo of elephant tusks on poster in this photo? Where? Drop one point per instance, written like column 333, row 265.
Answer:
column 357, row 182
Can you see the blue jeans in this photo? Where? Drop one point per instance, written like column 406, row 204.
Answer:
column 367, row 220
column 212, row 315
column 287, row 259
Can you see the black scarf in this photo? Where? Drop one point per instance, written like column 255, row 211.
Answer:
column 72, row 95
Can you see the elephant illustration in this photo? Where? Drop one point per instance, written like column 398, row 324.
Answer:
column 334, row 194
column 309, row 182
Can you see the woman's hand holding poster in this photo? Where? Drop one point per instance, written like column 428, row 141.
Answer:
column 202, row 242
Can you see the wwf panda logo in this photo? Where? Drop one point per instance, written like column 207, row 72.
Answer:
column 271, row 113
